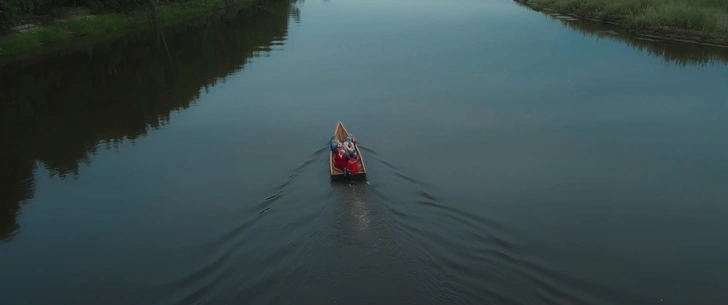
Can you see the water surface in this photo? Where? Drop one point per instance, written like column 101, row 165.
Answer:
column 513, row 157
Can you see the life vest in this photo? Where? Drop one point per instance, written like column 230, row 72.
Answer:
column 340, row 159
column 353, row 166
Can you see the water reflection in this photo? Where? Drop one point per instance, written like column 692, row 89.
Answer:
column 58, row 110
column 16, row 188
column 681, row 54
column 361, row 218
column 358, row 206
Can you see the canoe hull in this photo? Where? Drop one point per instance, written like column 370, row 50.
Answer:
column 336, row 174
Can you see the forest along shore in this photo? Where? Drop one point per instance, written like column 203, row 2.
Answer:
column 692, row 21
column 30, row 27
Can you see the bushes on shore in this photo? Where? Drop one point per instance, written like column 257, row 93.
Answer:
column 710, row 16
column 105, row 25
column 15, row 11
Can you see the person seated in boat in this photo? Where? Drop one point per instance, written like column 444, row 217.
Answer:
column 352, row 154
column 335, row 144
column 349, row 146
column 340, row 159
column 339, row 145
column 352, row 166
column 350, row 139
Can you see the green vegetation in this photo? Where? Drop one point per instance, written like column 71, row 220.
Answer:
column 99, row 20
column 670, row 53
column 708, row 19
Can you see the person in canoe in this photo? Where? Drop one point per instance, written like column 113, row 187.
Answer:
column 352, row 166
column 335, row 144
column 340, row 159
column 350, row 145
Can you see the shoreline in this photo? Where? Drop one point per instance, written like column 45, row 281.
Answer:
column 84, row 29
column 665, row 33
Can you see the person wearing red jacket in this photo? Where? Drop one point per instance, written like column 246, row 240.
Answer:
column 340, row 159
column 352, row 166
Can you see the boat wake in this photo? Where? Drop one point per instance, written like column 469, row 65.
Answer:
column 423, row 233
column 450, row 253
column 213, row 269
column 400, row 235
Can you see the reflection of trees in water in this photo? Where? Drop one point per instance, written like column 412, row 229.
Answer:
column 57, row 110
column 676, row 53
column 16, row 187
column 295, row 10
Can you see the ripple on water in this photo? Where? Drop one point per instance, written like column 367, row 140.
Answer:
column 208, row 271
column 457, row 249
column 309, row 234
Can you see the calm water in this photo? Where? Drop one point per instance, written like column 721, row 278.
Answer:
column 514, row 158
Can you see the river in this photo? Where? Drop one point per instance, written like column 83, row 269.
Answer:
column 512, row 157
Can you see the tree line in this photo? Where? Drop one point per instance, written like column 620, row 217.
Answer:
column 13, row 11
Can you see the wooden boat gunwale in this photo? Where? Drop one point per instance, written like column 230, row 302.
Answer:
column 341, row 133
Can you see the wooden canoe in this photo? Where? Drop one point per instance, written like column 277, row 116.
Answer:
column 341, row 134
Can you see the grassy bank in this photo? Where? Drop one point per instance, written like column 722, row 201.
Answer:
column 697, row 21
column 94, row 27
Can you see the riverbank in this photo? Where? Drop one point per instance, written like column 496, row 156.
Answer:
column 82, row 27
column 692, row 21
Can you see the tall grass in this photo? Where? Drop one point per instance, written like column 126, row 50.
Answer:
column 108, row 25
column 710, row 16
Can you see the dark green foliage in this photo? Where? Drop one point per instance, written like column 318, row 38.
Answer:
column 77, row 25
column 677, row 54
column 12, row 11
column 710, row 16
